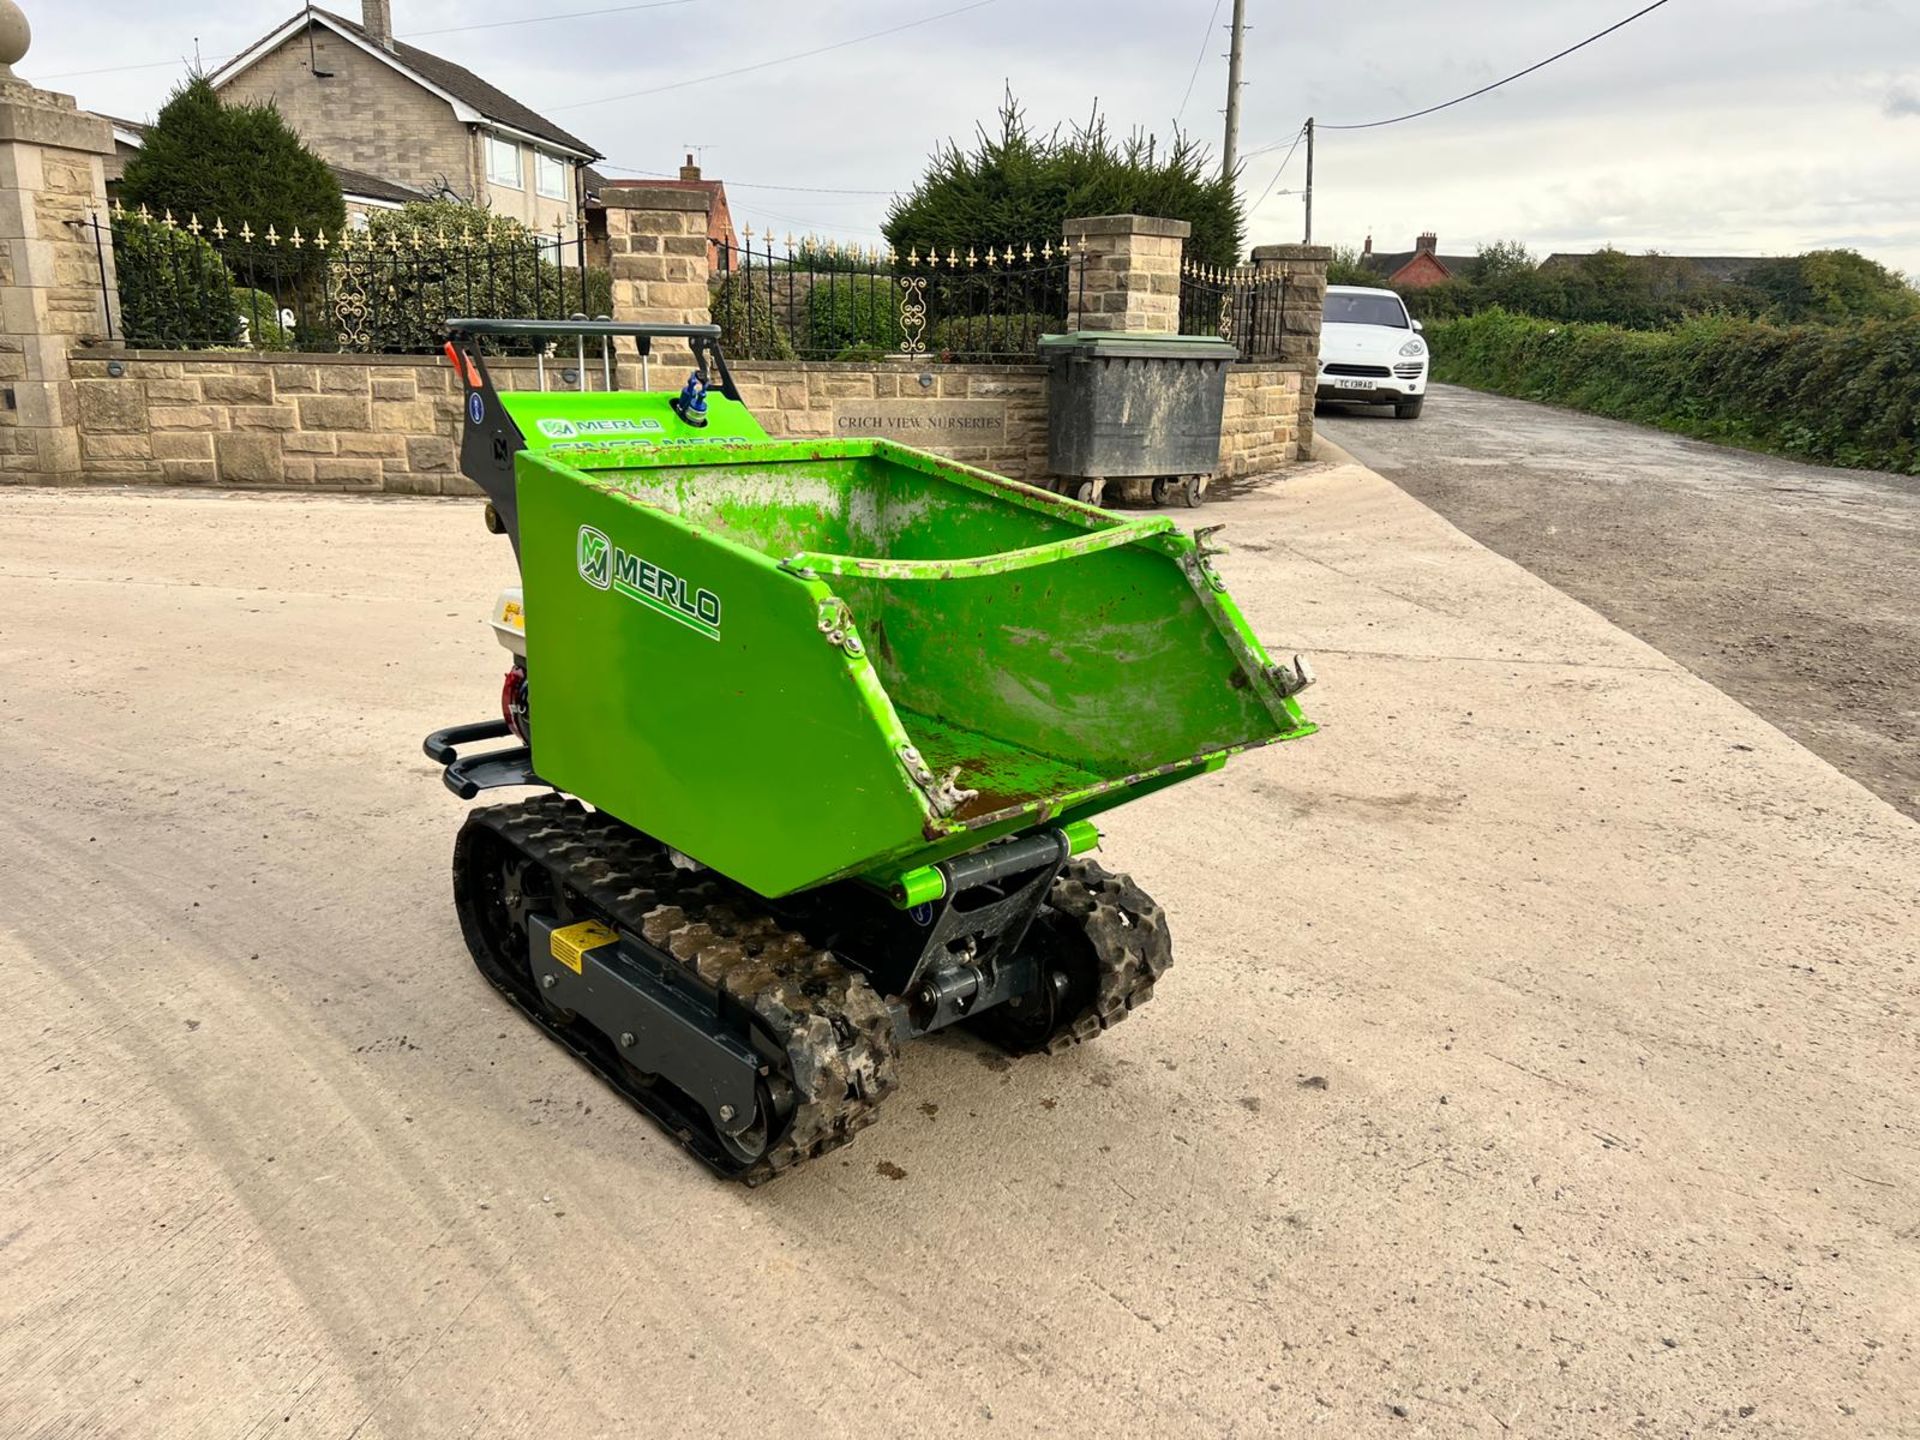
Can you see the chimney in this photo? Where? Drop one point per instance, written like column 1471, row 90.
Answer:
column 376, row 18
column 1426, row 244
column 689, row 171
column 1367, row 249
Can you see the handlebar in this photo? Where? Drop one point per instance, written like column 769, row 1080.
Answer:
column 584, row 328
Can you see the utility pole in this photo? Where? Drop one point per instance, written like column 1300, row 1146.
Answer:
column 1230, row 149
column 1309, row 236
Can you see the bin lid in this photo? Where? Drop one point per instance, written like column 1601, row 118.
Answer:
column 1124, row 345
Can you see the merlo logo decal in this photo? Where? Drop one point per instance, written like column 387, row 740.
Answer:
column 595, row 557
column 606, row 566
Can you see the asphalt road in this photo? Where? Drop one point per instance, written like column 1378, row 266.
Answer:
column 1538, row 1058
column 1794, row 588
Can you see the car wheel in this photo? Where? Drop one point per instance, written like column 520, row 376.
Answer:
column 1408, row 409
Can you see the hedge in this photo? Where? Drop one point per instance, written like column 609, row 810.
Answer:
column 1841, row 395
column 176, row 293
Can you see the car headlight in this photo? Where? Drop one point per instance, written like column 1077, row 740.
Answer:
column 1414, row 347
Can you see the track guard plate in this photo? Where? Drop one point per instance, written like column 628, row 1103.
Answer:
column 651, row 1013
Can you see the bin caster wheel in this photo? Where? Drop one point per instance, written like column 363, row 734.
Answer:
column 1193, row 490
column 1089, row 492
column 1161, row 487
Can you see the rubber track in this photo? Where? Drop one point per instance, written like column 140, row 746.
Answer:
column 836, row 1032
column 1131, row 944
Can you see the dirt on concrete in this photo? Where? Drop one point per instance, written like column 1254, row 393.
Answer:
column 1539, row 1057
column 1794, row 588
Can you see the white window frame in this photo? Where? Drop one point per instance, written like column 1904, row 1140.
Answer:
column 542, row 161
column 498, row 145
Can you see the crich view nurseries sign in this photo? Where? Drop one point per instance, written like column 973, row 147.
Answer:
column 913, row 422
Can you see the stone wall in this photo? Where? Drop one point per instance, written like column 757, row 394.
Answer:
column 829, row 399
column 1124, row 273
column 1304, row 269
column 1261, row 429
column 657, row 254
column 392, row 423
column 356, row 422
column 51, row 179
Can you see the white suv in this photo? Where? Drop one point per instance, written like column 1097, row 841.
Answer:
column 1371, row 352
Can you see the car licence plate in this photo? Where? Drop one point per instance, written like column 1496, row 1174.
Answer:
column 1353, row 384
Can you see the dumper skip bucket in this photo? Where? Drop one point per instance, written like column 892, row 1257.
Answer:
column 799, row 662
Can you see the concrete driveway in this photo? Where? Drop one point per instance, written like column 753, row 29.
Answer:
column 1794, row 588
column 1540, row 1058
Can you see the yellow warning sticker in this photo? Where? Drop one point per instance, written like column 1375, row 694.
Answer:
column 572, row 942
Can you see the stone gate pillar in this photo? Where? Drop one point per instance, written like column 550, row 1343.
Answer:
column 51, row 292
column 1123, row 273
column 657, row 253
column 1305, row 269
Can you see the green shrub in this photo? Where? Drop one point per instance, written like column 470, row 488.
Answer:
column 176, row 293
column 748, row 327
column 849, row 312
column 1020, row 186
column 990, row 339
column 1840, row 395
column 434, row 260
column 237, row 164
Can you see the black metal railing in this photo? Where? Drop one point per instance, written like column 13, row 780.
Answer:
column 1238, row 304
column 814, row 301
column 189, row 285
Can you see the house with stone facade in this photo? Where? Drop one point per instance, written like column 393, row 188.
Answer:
column 397, row 122
column 361, row 191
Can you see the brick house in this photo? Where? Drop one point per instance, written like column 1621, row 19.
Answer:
column 1416, row 268
column 394, row 120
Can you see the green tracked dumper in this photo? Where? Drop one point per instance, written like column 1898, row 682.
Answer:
column 824, row 727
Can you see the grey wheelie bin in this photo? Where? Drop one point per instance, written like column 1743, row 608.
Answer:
column 1142, row 408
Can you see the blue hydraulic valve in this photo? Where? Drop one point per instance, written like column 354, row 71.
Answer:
column 691, row 403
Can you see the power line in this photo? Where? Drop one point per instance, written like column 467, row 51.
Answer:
column 410, row 35
column 1278, row 173
column 746, row 184
column 780, row 60
column 542, row 19
column 1518, row 74
column 1198, row 61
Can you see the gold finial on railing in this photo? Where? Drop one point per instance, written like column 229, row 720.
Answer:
column 1026, row 252
column 393, row 242
column 418, row 243
column 219, row 228
column 972, row 259
column 119, row 210
column 892, row 257
column 273, row 237
column 168, row 220
column 913, row 257
column 953, row 258
column 1046, row 249
column 145, row 214
column 193, row 225
column 320, row 238
column 440, row 234
column 246, row 233
column 295, row 239
column 746, row 235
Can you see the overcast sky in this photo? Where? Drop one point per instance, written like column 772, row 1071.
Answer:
column 1708, row 127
